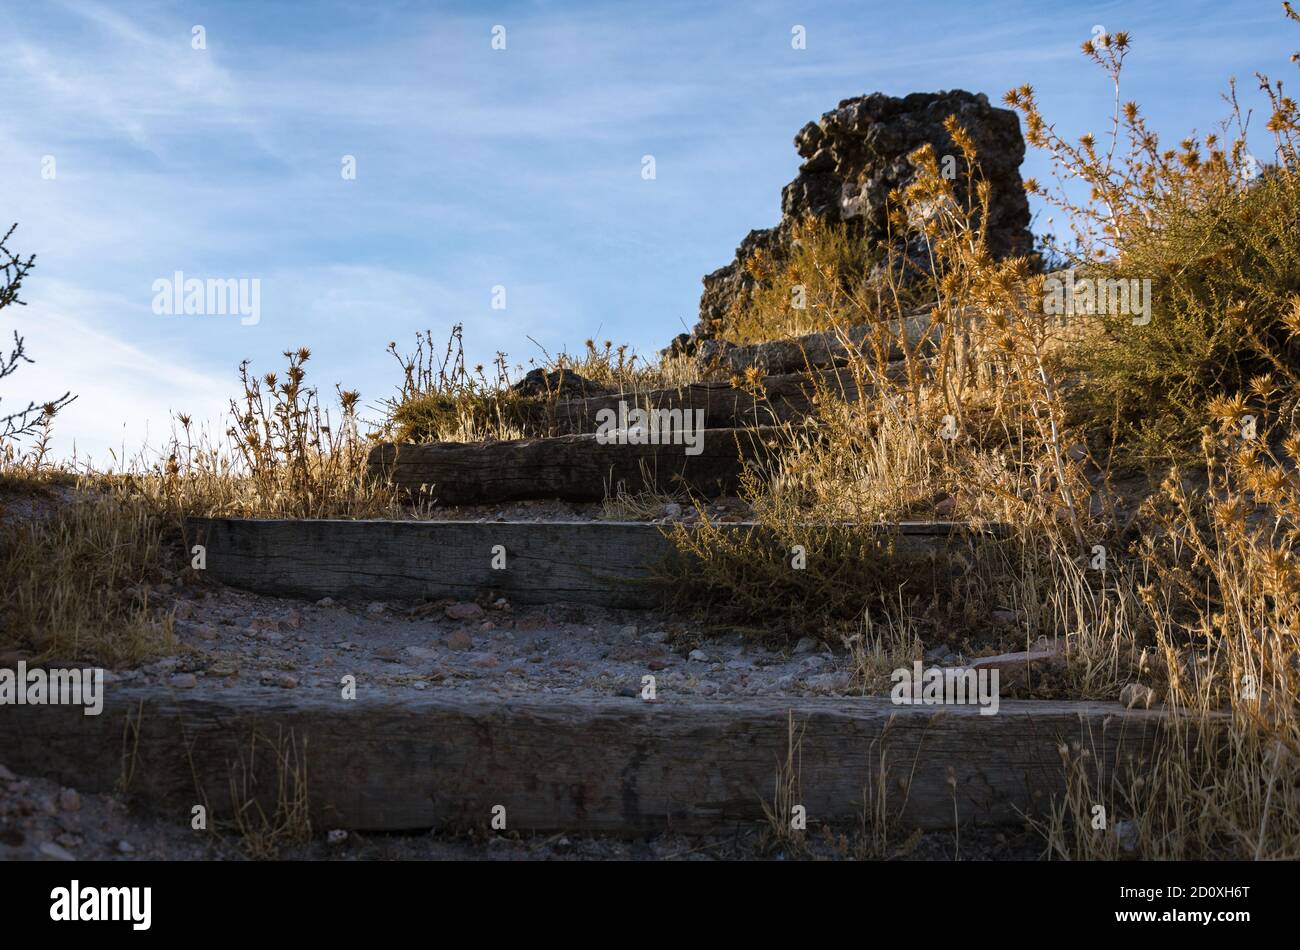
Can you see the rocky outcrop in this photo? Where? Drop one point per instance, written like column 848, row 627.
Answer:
column 855, row 155
column 558, row 383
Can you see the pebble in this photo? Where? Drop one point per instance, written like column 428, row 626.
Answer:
column 464, row 611
column 54, row 852
column 698, row 656
column 125, row 847
column 325, row 602
column 184, row 681
column 805, row 645
column 336, row 836
column 459, row 640
column 69, row 800
column 830, row 682
column 376, row 608
column 422, row 653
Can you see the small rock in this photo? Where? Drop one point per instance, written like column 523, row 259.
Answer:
column 125, row 847
column 460, row 640
column 325, row 602
column 205, row 631
column 1014, row 667
column 500, row 604
column 830, row 682
column 805, row 645
column 464, row 611
column 54, row 852
column 6, row 775
column 184, row 681
column 376, row 608
column 422, row 653
column 485, row 660
column 286, row 681
column 69, row 800
column 698, row 656
column 336, row 836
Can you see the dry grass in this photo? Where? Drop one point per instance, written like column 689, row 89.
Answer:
column 262, row 833
column 440, row 399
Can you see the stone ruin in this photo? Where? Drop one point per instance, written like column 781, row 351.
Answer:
column 854, row 156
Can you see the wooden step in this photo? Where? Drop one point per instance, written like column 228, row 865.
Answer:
column 569, row 467
column 783, row 398
column 606, row 563
column 397, row 759
column 815, row 350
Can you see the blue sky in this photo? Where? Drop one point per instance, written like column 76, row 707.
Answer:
column 474, row 167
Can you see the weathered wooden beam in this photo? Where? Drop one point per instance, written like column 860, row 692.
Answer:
column 782, row 398
column 607, row 563
column 395, row 759
column 817, row 350
column 569, row 467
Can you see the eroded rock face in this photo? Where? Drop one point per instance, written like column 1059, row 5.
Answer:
column 855, row 155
